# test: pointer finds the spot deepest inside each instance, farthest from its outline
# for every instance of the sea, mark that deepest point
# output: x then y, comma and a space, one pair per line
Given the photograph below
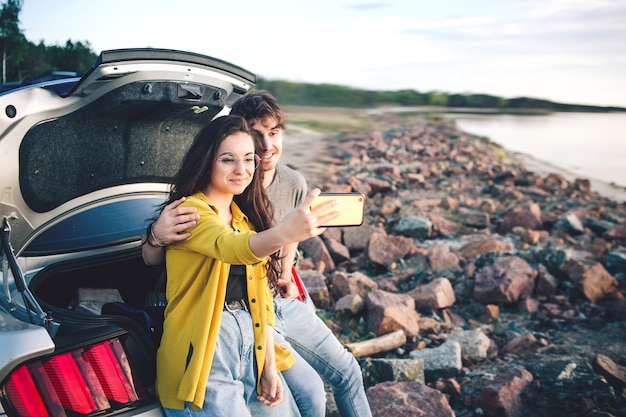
578, 145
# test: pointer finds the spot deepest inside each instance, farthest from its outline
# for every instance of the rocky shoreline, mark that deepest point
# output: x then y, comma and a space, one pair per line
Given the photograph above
475, 286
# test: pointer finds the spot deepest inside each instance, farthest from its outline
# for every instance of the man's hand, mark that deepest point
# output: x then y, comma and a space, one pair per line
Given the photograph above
169, 228
287, 288
173, 221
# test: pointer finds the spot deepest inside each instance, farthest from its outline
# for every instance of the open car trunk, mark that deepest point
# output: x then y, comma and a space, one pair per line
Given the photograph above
86, 169
72, 292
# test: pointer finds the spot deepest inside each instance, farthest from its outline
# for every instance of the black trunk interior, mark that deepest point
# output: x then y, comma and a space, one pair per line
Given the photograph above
55, 288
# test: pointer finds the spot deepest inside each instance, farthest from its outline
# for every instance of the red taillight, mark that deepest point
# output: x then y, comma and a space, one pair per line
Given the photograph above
116, 381
21, 385
82, 381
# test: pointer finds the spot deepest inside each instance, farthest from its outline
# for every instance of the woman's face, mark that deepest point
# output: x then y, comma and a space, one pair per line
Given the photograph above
234, 166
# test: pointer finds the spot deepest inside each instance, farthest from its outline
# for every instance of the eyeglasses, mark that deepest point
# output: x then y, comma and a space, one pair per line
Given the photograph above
229, 161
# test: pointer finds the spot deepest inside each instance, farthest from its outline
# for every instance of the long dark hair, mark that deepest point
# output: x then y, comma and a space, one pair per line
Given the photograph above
194, 175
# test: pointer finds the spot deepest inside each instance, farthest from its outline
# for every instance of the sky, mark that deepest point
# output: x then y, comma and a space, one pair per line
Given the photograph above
568, 51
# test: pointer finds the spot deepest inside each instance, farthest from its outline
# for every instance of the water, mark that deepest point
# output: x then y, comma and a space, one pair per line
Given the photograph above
588, 145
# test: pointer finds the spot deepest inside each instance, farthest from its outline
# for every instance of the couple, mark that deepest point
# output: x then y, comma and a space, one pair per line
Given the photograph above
211, 350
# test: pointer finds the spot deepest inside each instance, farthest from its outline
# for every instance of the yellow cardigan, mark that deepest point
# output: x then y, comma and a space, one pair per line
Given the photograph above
197, 272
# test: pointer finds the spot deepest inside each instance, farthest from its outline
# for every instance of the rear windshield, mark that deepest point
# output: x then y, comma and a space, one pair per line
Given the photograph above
102, 226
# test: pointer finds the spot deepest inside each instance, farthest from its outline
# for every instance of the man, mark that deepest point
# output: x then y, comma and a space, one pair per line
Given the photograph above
307, 334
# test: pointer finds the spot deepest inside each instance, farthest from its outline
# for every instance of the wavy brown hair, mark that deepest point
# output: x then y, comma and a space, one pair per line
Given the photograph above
259, 105
194, 175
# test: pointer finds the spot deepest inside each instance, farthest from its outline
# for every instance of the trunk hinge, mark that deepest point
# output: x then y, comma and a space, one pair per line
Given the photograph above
35, 313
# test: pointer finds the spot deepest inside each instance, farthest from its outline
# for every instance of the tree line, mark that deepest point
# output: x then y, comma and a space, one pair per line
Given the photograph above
22, 59
291, 93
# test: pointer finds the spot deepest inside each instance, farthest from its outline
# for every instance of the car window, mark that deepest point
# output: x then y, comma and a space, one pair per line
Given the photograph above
98, 227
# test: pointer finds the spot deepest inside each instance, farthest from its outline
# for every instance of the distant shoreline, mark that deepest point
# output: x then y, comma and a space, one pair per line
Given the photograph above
309, 127
605, 189
477, 110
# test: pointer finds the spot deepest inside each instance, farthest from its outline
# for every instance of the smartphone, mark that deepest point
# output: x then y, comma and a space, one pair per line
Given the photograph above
350, 205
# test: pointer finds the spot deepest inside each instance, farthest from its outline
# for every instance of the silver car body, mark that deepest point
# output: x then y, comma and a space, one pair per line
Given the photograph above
81, 172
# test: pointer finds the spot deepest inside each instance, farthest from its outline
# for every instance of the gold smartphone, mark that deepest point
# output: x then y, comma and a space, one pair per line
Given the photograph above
350, 205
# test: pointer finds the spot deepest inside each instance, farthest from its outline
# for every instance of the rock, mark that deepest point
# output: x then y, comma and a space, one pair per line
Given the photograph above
590, 278
527, 214
437, 294
523, 343
315, 284
474, 343
565, 382
356, 238
442, 258
507, 280
618, 232
478, 247
415, 227
547, 283
441, 362
356, 283
485, 209
378, 185
444, 227
571, 224
390, 207
616, 260
533, 237
477, 219
616, 309
338, 252
599, 226
407, 399
615, 374
385, 250
351, 304
387, 312
502, 397
315, 249
376, 371
450, 203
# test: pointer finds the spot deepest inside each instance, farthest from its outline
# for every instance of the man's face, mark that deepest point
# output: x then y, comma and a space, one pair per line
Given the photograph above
272, 142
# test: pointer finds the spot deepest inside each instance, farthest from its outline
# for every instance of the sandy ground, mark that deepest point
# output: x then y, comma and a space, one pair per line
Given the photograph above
303, 147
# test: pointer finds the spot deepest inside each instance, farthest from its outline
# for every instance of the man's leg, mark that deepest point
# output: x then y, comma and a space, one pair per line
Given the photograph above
315, 342
306, 386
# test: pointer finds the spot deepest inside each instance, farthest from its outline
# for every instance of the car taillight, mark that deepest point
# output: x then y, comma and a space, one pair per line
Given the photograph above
80, 382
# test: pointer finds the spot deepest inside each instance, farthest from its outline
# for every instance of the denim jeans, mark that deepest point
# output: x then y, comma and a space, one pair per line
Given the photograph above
314, 341
231, 388
304, 382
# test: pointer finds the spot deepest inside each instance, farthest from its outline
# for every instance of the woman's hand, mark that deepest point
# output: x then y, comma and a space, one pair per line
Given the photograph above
299, 224
304, 222
271, 384
271, 387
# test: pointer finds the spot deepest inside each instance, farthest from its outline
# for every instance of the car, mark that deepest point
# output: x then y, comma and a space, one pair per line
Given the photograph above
86, 163
52, 75
65, 77
11, 85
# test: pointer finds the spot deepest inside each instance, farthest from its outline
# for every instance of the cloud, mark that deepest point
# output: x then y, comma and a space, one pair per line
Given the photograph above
368, 6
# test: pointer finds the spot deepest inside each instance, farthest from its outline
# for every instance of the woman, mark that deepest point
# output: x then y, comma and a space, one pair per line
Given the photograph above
217, 355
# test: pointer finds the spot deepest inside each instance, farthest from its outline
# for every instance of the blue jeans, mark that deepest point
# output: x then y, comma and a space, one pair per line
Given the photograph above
305, 384
231, 388
314, 341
